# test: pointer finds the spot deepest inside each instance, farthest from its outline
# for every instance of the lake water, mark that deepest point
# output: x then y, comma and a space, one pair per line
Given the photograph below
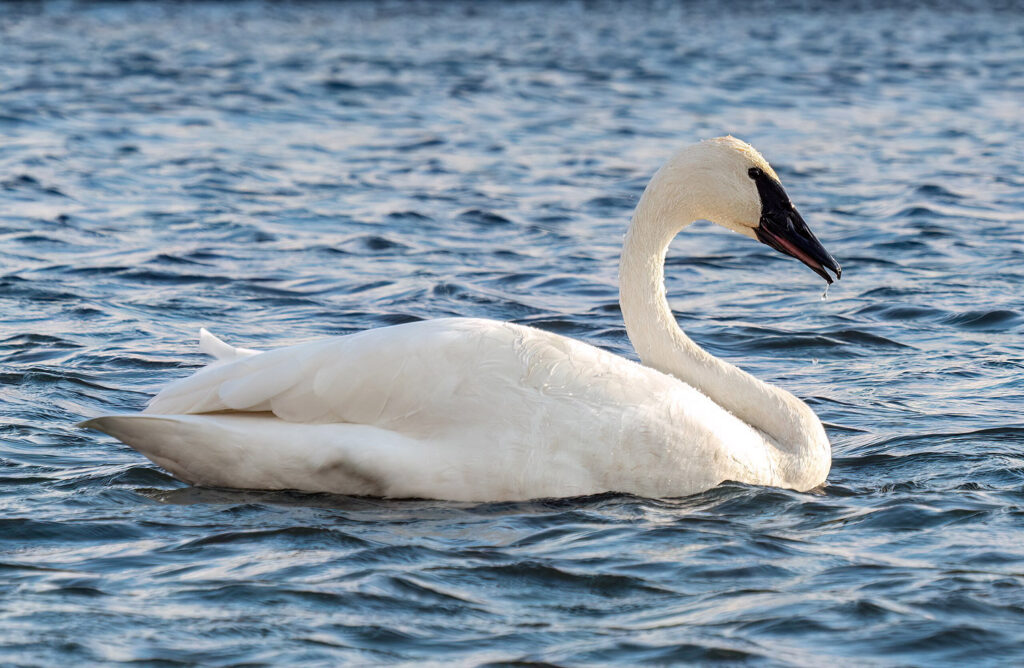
278, 174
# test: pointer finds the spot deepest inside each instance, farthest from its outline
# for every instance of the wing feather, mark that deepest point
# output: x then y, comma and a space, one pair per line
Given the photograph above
370, 377
423, 379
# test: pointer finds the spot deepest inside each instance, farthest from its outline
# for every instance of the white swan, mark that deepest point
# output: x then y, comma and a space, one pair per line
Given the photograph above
478, 410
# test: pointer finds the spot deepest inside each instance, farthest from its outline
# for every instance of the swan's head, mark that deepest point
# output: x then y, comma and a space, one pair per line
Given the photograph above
728, 182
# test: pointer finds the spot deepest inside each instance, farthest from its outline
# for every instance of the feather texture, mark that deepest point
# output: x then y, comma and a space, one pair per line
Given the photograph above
512, 412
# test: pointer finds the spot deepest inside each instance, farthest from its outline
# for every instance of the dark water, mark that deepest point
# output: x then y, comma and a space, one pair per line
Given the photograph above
279, 174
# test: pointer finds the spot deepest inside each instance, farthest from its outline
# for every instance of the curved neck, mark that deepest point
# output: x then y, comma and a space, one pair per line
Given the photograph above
788, 422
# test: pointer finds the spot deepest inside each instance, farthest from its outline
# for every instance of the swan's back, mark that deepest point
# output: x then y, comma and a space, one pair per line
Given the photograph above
482, 409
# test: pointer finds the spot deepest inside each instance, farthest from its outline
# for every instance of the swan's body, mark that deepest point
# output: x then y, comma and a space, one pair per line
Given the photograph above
478, 410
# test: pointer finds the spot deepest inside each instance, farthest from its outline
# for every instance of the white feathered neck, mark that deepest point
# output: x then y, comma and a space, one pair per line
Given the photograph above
708, 181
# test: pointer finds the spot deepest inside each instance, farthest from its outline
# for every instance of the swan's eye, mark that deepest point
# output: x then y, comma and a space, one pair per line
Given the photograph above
755, 172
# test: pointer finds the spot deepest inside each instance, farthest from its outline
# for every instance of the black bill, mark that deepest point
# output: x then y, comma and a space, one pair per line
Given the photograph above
782, 228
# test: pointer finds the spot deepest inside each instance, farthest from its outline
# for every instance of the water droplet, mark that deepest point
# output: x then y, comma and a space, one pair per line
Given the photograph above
824, 295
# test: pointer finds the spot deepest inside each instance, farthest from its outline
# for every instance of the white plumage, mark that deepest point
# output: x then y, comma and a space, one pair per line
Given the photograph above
479, 410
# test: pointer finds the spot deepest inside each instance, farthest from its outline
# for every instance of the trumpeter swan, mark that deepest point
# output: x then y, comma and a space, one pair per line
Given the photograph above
479, 410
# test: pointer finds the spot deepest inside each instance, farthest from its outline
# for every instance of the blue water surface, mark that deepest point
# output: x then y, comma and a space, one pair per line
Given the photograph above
284, 172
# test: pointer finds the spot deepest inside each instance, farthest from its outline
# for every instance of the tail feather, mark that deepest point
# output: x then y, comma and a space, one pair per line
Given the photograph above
218, 349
